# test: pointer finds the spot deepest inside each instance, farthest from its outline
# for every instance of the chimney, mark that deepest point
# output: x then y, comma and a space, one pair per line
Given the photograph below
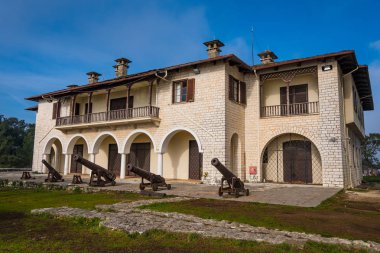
93, 77
267, 57
121, 67
213, 48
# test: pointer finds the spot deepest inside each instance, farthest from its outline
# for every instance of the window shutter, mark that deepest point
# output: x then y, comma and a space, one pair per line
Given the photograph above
243, 93
231, 88
300, 95
55, 106
173, 93
59, 109
283, 96
190, 90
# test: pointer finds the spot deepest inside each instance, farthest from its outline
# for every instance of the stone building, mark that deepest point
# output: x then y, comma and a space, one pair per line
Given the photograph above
296, 121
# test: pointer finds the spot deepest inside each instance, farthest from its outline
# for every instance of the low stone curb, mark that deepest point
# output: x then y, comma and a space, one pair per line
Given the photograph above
128, 217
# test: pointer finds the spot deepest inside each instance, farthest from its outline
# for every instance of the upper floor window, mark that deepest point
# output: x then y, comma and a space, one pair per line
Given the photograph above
237, 91
183, 91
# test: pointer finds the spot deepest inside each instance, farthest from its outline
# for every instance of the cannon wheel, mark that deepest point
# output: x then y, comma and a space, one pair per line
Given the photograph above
246, 192
113, 183
168, 186
154, 187
142, 187
220, 192
237, 193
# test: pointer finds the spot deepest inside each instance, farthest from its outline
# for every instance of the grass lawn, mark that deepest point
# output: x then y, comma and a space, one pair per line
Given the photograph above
22, 232
337, 216
371, 179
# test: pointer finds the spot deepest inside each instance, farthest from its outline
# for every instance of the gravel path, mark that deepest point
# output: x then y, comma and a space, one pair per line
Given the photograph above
125, 216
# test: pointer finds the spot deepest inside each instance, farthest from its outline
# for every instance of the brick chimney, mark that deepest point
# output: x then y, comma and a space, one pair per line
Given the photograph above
121, 67
267, 57
213, 48
93, 77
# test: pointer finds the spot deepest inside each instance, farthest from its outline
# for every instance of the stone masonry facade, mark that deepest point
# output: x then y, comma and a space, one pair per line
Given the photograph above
212, 120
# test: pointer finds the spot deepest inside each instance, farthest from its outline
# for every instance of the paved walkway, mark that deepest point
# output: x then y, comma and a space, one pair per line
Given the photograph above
125, 216
283, 194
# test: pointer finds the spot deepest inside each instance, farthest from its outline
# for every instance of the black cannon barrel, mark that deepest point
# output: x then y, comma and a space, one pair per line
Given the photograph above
55, 173
222, 169
146, 174
94, 167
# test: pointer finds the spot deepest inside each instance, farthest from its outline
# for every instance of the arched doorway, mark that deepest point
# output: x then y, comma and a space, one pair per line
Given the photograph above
139, 148
235, 156
106, 149
53, 154
291, 158
182, 157
78, 145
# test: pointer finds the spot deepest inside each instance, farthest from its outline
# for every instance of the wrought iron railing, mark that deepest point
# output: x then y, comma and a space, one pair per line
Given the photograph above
138, 112
291, 109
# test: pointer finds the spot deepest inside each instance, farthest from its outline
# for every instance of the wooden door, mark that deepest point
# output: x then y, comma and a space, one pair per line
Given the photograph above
75, 166
140, 156
114, 159
195, 161
297, 162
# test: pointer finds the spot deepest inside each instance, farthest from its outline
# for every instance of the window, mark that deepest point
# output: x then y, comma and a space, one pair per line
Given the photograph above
183, 91
298, 99
86, 108
237, 91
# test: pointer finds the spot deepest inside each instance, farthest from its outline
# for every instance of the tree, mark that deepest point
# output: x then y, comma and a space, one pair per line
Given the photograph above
371, 149
16, 143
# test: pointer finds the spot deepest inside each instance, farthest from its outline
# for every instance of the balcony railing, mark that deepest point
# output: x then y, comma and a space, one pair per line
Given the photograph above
292, 109
138, 112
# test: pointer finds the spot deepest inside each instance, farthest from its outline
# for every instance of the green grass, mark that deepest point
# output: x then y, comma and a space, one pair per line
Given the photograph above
335, 217
22, 232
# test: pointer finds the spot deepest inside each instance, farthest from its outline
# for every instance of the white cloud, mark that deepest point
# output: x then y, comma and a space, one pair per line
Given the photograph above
375, 45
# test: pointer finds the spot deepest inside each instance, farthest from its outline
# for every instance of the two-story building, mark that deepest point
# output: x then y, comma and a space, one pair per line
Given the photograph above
297, 121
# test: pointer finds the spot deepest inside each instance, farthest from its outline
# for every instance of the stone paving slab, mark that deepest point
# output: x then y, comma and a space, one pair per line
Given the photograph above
127, 217
283, 194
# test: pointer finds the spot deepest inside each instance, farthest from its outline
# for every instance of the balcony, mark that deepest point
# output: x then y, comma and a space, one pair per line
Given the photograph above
290, 110
114, 117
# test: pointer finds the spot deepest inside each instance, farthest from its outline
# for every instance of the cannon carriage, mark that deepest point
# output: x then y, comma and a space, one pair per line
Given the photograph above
53, 175
99, 175
155, 181
234, 185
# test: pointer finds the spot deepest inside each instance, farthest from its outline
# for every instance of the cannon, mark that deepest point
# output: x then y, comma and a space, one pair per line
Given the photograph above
235, 185
99, 175
155, 180
53, 175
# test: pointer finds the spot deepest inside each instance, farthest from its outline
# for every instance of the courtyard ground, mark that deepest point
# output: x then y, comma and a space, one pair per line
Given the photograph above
20, 231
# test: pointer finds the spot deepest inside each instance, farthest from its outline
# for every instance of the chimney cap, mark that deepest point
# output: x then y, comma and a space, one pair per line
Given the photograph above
122, 59
93, 73
212, 42
267, 53
72, 86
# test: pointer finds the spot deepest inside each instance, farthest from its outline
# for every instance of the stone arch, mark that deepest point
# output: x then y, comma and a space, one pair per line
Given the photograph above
99, 139
166, 139
126, 146
70, 145
49, 144
275, 167
280, 131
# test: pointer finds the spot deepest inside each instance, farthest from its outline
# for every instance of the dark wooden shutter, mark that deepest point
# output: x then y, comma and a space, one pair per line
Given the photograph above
283, 99
190, 90
86, 108
55, 107
243, 93
173, 93
77, 109
231, 88
300, 94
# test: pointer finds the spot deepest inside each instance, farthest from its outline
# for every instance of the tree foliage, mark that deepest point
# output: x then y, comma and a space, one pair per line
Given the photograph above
371, 149
16, 143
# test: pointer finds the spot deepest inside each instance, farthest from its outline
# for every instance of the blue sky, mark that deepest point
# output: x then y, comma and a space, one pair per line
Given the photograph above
46, 45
